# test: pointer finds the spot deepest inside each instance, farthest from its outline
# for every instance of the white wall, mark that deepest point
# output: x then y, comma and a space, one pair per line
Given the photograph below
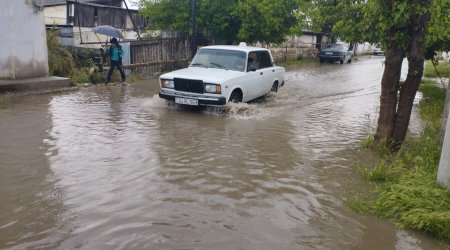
55, 15
365, 48
23, 50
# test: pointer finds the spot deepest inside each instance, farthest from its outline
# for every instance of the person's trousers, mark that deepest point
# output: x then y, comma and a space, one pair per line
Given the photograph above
113, 65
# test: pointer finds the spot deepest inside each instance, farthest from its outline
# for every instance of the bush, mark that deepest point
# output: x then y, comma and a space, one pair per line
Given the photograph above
60, 60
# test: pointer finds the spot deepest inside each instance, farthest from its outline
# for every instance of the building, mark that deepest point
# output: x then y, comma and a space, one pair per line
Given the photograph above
76, 18
23, 53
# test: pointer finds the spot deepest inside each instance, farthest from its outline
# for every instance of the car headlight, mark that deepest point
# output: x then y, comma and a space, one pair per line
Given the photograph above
213, 88
165, 83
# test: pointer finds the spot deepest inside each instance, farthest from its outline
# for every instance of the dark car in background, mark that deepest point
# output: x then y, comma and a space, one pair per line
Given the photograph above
335, 52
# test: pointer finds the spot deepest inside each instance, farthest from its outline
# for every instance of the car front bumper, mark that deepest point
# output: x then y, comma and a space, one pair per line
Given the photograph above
203, 99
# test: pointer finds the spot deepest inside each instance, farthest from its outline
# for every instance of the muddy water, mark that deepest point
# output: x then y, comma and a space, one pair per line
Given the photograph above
118, 168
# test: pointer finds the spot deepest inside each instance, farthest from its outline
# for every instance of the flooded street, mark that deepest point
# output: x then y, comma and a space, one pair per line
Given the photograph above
117, 167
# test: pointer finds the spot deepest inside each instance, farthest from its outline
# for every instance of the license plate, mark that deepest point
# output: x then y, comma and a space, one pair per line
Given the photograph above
186, 101
329, 53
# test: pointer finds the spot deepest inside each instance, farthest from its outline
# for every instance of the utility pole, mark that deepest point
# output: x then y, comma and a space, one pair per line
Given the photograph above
445, 114
443, 176
132, 20
194, 32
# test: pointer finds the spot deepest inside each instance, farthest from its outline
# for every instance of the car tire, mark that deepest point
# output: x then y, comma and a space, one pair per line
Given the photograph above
341, 61
235, 97
349, 60
274, 87
321, 60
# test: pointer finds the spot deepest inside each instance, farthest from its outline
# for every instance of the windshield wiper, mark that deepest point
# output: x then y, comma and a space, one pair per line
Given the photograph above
217, 65
199, 64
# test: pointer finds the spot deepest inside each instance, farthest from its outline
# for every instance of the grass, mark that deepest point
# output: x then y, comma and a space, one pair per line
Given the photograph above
432, 104
406, 191
299, 61
443, 68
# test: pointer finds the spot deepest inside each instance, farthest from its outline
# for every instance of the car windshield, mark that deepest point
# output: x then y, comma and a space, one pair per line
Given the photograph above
335, 47
220, 58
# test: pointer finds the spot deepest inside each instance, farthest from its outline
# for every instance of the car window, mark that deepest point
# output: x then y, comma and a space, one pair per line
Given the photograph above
253, 62
265, 60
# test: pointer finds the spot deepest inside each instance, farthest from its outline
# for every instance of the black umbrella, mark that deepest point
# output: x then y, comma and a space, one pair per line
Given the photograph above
107, 30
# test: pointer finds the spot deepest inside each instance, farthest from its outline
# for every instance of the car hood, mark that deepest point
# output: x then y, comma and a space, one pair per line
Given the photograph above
210, 75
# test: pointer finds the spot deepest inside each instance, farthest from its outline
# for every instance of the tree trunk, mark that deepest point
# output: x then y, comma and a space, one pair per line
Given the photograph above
389, 86
416, 58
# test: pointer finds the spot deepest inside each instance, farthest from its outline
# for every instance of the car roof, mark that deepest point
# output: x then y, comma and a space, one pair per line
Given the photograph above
243, 48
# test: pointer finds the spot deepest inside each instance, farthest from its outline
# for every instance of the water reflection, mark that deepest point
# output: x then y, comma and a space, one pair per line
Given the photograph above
32, 205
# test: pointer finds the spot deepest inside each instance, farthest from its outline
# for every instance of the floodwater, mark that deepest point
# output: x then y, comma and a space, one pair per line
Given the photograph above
116, 167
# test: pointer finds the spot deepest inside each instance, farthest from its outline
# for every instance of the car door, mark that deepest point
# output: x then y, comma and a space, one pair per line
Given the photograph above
253, 77
266, 72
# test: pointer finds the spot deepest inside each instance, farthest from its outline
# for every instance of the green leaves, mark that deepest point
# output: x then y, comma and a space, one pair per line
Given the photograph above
266, 21
227, 21
379, 21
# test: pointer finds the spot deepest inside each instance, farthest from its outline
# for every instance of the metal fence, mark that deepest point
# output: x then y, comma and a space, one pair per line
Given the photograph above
158, 55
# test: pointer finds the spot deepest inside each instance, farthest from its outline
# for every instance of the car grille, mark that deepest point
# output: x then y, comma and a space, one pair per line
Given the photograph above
188, 85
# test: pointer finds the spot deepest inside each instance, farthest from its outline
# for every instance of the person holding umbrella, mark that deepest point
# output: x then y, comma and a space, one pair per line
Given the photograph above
115, 53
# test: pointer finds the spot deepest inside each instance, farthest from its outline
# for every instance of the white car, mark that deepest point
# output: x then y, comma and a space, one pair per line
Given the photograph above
377, 50
223, 73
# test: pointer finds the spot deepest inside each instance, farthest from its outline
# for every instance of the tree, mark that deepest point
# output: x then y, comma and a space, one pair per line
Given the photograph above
228, 21
266, 21
218, 19
172, 15
407, 28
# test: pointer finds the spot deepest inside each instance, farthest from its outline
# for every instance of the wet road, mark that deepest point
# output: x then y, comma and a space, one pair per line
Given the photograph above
118, 168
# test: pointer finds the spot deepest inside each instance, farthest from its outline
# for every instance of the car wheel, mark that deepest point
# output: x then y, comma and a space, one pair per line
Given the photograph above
349, 60
341, 61
274, 87
235, 97
321, 60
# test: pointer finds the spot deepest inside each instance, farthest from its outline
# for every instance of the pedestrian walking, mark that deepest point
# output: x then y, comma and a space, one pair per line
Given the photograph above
115, 53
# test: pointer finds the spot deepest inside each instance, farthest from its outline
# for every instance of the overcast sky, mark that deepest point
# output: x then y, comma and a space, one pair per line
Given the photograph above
131, 5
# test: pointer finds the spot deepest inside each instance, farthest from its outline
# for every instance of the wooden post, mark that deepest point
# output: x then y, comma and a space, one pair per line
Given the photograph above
194, 35
132, 20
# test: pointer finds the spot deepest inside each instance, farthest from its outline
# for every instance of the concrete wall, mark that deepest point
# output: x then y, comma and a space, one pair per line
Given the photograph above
295, 47
23, 50
55, 15
365, 48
